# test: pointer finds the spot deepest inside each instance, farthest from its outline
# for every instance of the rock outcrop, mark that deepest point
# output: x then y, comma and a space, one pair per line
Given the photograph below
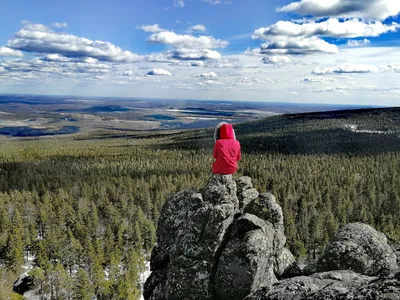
23, 284
360, 248
227, 242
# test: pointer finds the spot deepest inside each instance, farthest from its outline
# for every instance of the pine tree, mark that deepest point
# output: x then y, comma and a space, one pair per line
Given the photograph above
15, 244
82, 289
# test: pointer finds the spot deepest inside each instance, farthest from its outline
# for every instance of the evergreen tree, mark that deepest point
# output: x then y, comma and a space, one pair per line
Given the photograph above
82, 289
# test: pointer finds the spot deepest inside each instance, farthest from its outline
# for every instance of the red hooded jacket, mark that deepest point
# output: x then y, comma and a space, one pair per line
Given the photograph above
226, 151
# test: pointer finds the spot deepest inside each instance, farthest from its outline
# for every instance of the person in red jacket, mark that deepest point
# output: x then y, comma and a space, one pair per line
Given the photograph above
226, 150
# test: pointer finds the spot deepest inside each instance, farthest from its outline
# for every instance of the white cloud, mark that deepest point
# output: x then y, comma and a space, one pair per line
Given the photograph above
380, 9
38, 38
58, 68
338, 90
56, 57
393, 68
194, 54
245, 81
305, 37
358, 43
186, 41
276, 59
60, 25
346, 69
208, 82
5, 51
127, 73
214, 2
209, 75
330, 28
90, 67
179, 3
197, 28
298, 46
225, 63
190, 63
157, 57
158, 72
319, 79
151, 28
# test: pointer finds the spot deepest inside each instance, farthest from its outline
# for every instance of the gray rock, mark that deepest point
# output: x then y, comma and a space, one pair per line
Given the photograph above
243, 183
335, 285
384, 288
288, 289
360, 248
311, 268
358, 287
207, 248
284, 260
191, 230
221, 189
189, 278
396, 248
24, 284
246, 197
245, 192
294, 270
266, 208
155, 286
246, 263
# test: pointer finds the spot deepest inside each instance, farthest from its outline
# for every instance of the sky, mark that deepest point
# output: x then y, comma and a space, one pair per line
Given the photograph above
306, 51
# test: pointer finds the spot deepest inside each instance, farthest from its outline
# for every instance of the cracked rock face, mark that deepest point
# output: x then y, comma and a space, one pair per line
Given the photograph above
208, 249
227, 242
246, 263
191, 231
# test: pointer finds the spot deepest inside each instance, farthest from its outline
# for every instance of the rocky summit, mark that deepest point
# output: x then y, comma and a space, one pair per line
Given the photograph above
228, 242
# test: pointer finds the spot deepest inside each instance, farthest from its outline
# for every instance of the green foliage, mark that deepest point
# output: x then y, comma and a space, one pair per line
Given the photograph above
82, 289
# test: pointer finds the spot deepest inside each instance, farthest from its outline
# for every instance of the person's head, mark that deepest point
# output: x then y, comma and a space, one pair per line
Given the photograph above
224, 131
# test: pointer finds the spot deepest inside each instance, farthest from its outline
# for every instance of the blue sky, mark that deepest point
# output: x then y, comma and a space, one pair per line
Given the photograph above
333, 51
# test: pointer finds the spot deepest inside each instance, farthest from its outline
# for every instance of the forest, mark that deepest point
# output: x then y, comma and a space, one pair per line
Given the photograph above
85, 208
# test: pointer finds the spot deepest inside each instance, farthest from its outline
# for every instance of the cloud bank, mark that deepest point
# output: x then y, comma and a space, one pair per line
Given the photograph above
373, 9
37, 38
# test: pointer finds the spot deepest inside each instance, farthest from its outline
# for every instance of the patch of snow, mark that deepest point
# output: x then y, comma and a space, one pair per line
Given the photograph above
353, 128
143, 277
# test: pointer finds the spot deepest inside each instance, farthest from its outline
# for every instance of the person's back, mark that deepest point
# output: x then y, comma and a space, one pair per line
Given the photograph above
226, 150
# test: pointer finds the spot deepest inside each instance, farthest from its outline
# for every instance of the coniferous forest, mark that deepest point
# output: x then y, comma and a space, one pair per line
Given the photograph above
85, 208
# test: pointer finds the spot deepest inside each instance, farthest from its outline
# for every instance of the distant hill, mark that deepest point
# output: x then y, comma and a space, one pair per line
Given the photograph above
361, 131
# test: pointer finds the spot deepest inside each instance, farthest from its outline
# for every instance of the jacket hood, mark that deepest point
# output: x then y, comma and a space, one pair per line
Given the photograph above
217, 132
226, 132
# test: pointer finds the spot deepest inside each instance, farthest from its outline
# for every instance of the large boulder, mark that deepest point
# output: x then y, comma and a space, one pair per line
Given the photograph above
207, 248
335, 285
360, 248
191, 231
285, 262
246, 264
265, 207
24, 284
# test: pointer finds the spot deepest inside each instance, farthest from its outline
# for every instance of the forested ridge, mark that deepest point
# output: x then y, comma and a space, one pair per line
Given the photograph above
86, 207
